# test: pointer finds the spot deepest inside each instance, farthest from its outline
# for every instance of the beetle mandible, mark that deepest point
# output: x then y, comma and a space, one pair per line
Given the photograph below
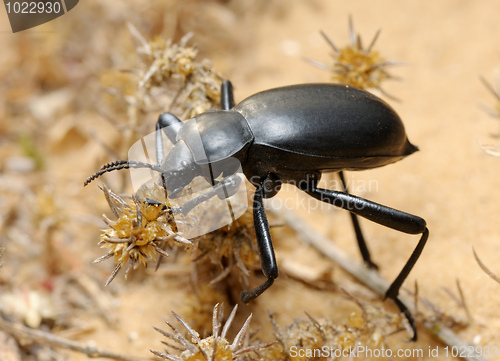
291, 134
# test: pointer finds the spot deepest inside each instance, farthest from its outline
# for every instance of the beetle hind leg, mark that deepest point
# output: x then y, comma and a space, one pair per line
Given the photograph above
386, 216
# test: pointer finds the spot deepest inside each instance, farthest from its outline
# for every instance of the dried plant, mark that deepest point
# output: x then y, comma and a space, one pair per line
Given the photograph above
368, 327
231, 247
215, 347
486, 270
175, 67
143, 227
357, 66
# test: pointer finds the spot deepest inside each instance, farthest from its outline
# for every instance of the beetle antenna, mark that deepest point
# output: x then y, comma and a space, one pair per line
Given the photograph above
121, 164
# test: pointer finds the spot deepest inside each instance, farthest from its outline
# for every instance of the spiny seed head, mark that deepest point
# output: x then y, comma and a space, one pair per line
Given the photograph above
142, 229
365, 327
167, 65
215, 347
357, 66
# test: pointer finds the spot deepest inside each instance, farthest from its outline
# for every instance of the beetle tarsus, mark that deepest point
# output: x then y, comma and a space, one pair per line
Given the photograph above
402, 307
247, 296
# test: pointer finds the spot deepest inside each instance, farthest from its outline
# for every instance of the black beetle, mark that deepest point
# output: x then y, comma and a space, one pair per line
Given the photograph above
292, 135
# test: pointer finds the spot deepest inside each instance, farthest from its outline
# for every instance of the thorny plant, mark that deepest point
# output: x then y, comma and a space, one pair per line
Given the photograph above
167, 65
369, 328
143, 227
232, 245
357, 66
170, 73
215, 347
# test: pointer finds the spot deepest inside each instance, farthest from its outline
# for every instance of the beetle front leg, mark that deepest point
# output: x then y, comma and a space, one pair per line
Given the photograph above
170, 125
226, 95
266, 250
363, 248
386, 216
223, 189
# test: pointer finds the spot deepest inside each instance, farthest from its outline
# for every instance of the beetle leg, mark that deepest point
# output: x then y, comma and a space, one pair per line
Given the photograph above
226, 96
385, 216
227, 103
266, 251
171, 126
222, 189
363, 248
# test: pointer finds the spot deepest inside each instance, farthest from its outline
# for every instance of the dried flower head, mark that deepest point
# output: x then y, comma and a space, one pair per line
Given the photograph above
231, 247
193, 84
357, 66
142, 229
215, 347
367, 327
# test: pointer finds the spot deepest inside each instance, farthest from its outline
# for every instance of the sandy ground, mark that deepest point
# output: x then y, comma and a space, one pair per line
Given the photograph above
451, 181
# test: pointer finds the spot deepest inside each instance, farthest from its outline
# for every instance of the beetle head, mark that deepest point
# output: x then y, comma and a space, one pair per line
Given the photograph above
178, 168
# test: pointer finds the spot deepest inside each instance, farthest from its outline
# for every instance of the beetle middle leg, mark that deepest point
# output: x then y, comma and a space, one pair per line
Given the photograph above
265, 243
386, 216
262, 231
363, 248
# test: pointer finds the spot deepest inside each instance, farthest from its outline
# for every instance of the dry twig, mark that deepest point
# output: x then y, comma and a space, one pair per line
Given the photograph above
22, 332
484, 268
